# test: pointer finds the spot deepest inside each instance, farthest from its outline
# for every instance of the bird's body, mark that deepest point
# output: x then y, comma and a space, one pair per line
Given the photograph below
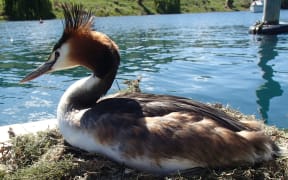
159, 133
155, 133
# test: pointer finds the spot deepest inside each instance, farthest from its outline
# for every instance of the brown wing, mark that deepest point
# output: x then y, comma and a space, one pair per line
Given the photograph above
151, 105
166, 127
140, 105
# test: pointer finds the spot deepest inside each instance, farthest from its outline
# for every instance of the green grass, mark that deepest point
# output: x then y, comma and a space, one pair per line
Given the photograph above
131, 7
189, 6
105, 8
1, 10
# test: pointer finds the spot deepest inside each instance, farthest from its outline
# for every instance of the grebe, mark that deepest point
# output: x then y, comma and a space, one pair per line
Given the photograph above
155, 133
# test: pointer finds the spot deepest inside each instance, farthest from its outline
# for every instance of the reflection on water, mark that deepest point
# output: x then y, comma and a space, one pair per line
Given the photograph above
209, 57
270, 88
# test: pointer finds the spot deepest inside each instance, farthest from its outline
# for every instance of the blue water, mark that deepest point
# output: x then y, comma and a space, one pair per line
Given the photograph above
209, 57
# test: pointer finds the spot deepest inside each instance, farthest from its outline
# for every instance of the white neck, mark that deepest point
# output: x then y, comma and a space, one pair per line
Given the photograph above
80, 95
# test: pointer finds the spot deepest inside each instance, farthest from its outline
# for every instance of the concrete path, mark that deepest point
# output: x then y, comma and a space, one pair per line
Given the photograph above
20, 129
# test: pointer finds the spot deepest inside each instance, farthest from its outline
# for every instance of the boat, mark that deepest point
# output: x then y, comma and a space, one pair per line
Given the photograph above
257, 6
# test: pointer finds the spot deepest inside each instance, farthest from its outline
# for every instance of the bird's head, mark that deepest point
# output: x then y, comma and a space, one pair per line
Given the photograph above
79, 45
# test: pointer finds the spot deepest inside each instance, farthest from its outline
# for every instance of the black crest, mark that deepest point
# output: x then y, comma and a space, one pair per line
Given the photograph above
76, 19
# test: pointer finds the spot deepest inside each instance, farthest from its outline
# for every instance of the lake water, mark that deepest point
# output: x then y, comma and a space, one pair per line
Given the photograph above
209, 57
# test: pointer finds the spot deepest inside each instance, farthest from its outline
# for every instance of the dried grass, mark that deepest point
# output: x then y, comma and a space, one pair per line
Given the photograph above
46, 156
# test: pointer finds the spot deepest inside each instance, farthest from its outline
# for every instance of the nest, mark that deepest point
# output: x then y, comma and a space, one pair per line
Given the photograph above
45, 155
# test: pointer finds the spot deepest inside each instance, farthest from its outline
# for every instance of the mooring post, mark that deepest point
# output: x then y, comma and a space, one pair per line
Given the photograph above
271, 12
270, 21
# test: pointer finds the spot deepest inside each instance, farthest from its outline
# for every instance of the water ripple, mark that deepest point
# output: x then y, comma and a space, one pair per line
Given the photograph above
208, 57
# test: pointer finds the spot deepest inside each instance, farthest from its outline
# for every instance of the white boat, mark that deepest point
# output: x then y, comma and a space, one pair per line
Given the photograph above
257, 6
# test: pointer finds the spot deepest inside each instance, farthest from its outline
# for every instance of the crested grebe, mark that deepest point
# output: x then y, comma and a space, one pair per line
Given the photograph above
155, 133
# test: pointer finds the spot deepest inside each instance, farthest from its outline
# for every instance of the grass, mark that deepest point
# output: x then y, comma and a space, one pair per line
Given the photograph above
2, 17
47, 156
105, 8
189, 6
131, 7
35, 157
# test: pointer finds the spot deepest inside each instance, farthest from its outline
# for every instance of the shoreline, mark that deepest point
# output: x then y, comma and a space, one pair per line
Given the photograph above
104, 8
97, 16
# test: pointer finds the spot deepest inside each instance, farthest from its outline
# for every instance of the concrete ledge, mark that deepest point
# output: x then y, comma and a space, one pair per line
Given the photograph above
19, 129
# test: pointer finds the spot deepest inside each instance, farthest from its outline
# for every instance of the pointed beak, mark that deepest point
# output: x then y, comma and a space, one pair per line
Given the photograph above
44, 68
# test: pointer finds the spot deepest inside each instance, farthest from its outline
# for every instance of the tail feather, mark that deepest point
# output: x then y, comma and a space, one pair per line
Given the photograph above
263, 147
254, 125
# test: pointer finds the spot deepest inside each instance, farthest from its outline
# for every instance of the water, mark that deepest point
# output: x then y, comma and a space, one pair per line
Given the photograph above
209, 57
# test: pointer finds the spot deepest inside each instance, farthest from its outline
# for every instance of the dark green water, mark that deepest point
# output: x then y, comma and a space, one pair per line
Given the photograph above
209, 57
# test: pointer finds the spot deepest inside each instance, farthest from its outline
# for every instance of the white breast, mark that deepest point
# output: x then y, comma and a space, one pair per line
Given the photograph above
82, 139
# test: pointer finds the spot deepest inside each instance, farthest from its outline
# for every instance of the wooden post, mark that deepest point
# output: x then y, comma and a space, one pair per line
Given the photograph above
271, 12
270, 20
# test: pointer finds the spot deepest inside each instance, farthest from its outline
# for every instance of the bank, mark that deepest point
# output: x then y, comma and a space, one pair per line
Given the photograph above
144, 7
